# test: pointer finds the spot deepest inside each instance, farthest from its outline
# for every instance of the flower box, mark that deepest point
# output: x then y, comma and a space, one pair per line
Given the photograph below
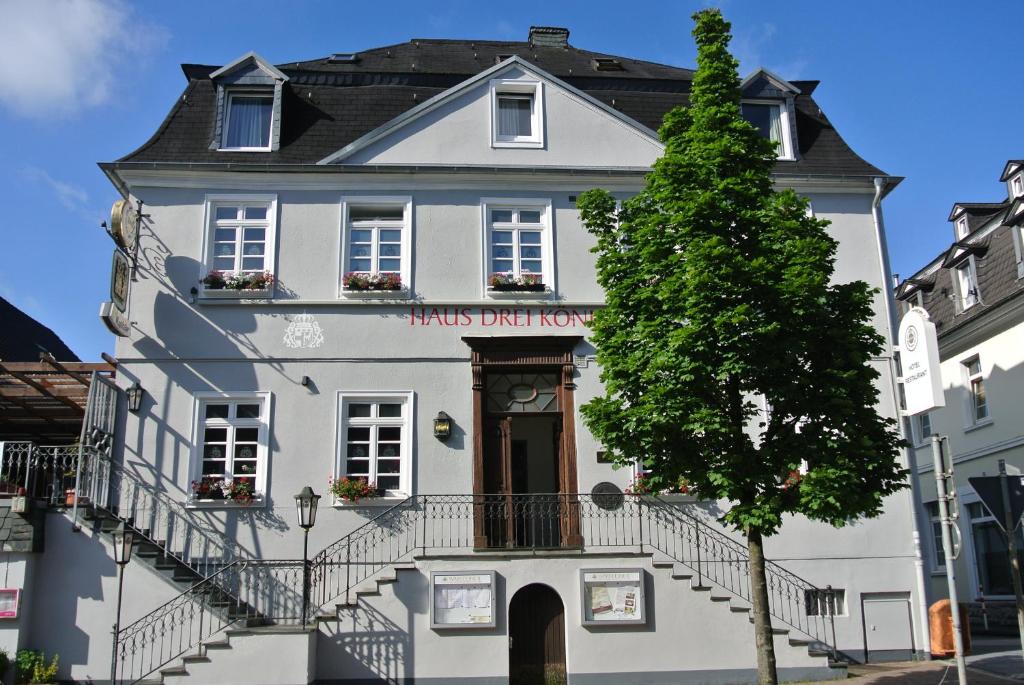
518, 288
237, 284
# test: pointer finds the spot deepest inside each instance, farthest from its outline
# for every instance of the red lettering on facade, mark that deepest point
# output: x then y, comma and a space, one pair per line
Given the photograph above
484, 313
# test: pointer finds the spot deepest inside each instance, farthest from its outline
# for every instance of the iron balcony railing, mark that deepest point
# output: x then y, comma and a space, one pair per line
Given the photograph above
44, 472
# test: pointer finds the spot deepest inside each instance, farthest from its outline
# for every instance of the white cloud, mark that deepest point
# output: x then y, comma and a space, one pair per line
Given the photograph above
72, 197
60, 56
750, 47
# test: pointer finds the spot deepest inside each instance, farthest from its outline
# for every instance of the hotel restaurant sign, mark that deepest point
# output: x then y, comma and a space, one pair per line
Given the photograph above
919, 359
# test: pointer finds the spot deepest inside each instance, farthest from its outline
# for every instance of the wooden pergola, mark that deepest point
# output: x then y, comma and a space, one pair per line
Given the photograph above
45, 401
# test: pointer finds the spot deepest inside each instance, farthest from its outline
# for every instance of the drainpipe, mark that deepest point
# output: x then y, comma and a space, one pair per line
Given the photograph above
909, 454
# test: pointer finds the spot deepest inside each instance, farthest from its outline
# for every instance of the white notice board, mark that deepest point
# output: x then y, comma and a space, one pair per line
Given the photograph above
463, 599
613, 596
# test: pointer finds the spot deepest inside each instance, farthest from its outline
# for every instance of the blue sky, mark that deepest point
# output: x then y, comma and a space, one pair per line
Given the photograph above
923, 90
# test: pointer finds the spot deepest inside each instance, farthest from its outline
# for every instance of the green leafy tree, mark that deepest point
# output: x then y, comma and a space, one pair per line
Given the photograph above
719, 297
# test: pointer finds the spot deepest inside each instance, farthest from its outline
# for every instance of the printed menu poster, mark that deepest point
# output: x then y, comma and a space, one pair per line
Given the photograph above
613, 596
463, 599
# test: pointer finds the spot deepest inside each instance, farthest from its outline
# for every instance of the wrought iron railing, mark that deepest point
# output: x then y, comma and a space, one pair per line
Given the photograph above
241, 594
38, 471
453, 523
272, 592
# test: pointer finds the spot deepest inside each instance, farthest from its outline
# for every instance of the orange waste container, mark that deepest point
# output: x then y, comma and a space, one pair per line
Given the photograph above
940, 623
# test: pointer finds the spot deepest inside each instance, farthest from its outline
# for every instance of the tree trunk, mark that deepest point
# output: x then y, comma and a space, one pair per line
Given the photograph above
766, 674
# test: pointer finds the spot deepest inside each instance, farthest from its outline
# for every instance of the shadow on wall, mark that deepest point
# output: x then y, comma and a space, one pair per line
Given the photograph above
364, 645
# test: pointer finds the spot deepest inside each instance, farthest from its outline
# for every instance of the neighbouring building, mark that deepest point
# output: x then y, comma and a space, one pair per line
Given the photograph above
370, 266
974, 293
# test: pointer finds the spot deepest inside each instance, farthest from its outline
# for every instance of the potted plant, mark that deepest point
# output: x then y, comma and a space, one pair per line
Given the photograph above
357, 281
31, 667
507, 282
208, 488
352, 489
240, 491
238, 281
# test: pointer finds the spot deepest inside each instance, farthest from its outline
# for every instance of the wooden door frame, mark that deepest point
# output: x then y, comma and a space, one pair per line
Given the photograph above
542, 353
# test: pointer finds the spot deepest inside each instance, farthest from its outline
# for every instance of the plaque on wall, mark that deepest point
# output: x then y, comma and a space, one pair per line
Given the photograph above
613, 596
462, 599
10, 599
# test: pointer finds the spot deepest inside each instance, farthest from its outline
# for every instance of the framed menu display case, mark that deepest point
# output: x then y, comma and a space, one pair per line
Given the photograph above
462, 599
613, 596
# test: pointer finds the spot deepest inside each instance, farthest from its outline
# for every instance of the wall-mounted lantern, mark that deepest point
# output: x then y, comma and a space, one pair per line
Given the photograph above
442, 426
134, 393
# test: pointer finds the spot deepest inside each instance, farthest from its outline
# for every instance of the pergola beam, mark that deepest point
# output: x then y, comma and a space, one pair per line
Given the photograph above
48, 358
43, 387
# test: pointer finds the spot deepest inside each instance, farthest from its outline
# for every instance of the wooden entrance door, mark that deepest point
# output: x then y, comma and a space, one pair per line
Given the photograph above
536, 637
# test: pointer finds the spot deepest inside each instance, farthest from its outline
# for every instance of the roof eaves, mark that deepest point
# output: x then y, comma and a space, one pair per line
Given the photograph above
780, 82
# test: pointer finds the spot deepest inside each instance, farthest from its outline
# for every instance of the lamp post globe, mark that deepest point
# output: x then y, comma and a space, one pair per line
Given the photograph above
305, 506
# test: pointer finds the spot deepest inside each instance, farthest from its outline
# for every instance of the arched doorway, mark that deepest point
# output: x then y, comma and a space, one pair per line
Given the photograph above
536, 637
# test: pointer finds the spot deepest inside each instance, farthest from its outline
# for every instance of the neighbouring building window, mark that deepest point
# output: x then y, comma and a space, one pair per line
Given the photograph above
825, 602
1018, 185
977, 402
517, 113
518, 241
230, 444
377, 244
967, 284
771, 119
922, 427
247, 120
375, 441
961, 228
240, 234
938, 553
991, 554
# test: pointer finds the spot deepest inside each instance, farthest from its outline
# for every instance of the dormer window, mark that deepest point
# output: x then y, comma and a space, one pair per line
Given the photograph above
516, 113
771, 119
1017, 185
962, 228
247, 121
967, 285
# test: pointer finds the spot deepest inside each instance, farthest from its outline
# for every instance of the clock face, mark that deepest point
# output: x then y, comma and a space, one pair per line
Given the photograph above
120, 279
124, 224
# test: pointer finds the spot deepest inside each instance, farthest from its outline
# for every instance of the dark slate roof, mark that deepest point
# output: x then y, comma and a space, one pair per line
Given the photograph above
997, 283
979, 213
327, 105
22, 338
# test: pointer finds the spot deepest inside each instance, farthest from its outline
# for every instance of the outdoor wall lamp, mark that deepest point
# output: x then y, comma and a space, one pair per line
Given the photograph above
305, 507
134, 393
442, 426
124, 541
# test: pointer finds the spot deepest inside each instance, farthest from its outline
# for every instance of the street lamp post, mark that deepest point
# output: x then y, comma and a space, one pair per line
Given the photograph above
124, 540
305, 507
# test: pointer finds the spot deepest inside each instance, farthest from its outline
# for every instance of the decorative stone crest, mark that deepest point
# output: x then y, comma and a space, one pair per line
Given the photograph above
303, 331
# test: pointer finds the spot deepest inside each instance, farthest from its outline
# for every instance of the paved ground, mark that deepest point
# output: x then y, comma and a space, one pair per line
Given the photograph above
996, 661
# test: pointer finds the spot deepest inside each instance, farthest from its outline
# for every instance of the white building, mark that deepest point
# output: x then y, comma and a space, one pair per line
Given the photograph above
504, 551
974, 295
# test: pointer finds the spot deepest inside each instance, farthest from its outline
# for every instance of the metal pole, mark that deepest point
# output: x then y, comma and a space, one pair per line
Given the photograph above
117, 624
305, 575
947, 548
1011, 546
831, 606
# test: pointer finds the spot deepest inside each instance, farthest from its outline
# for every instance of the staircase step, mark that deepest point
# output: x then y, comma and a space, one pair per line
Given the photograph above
701, 588
799, 642
682, 576
174, 671
196, 658
720, 598
217, 644
663, 563
739, 610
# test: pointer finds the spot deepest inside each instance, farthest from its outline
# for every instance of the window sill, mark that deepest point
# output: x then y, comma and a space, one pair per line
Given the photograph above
257, 503
519, 294
979, 425
532, 144
402, 294
244, 149
368, 502
226, 294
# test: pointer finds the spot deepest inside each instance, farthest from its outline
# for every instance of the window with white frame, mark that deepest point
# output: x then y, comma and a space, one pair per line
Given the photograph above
1017, 185
247, 121
375, 441
771, 119
230, 445
377, 244
825, 602
962, 228
977, 402
938, 553
240, 234
517, 113
967, 284
922, 427
518, 247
